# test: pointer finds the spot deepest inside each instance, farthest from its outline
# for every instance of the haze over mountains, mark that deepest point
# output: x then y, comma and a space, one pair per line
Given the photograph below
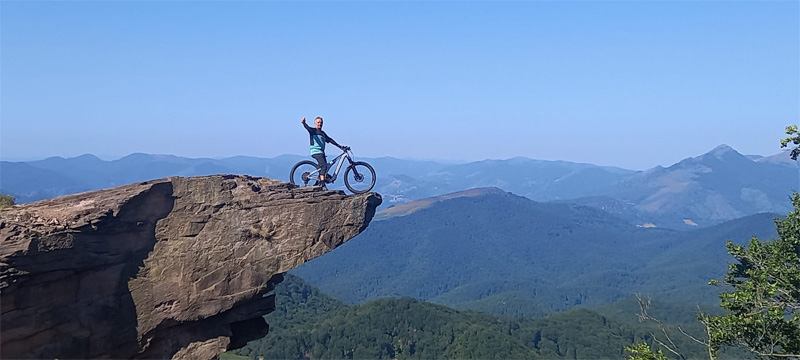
701, 191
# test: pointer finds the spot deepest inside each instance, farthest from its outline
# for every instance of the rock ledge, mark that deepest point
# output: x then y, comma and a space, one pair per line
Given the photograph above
172, 268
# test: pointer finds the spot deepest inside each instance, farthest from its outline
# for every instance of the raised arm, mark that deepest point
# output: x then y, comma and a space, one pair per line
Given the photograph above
309, 128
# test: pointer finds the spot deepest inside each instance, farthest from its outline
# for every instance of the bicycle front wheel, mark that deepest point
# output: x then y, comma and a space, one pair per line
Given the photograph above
359, 177
304, 173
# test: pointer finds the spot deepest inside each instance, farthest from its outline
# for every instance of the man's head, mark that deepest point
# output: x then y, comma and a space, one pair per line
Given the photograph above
318, 122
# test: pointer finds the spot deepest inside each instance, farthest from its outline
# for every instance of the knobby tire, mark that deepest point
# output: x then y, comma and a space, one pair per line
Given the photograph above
363, 169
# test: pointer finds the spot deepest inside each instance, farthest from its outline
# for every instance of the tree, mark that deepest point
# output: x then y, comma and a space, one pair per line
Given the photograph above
794, 138
641, 351
763, 308
6, 201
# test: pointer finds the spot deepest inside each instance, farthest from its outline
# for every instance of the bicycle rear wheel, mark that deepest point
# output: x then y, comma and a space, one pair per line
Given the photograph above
359, 177
304, 173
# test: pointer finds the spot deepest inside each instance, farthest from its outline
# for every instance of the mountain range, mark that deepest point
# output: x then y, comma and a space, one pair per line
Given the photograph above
516, 237
493, 251
701, 191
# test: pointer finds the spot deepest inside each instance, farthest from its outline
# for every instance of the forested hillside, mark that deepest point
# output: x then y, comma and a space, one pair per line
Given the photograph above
309, 324
505, 254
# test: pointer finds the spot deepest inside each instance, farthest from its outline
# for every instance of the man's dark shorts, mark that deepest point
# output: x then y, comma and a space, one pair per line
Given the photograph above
322, 163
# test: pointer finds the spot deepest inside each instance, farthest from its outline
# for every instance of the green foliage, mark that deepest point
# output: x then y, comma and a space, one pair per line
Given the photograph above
309, 324
641, 351
232, 356
6, 201
794, 138
762, 309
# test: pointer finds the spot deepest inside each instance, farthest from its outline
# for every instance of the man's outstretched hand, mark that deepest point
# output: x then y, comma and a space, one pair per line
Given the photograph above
303, 121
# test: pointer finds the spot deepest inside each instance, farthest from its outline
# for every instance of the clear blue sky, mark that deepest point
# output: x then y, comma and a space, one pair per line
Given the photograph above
625, 83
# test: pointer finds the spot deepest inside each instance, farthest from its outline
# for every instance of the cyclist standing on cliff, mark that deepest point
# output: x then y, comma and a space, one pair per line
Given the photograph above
317, 140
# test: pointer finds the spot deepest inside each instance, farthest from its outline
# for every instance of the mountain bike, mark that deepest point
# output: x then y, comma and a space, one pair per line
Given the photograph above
359, 177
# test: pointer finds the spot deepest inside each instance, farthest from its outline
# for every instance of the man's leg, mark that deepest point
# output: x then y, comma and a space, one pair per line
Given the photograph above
322, 164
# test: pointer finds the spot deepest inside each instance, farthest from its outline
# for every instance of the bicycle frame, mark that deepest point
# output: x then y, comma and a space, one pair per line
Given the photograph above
340, 158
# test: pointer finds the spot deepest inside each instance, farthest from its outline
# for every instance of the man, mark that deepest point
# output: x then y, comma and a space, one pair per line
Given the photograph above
317, 140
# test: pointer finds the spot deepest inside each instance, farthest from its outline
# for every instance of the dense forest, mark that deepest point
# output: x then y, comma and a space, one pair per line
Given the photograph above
310, 324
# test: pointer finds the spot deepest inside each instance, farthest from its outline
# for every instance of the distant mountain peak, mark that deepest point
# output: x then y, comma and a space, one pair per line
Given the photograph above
88, 157
726, 154
722, 150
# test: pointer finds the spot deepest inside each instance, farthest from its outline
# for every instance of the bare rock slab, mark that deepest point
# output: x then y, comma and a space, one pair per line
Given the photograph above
173, 268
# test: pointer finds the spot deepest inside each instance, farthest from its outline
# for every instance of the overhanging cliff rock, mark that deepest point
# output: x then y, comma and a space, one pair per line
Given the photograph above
172, 268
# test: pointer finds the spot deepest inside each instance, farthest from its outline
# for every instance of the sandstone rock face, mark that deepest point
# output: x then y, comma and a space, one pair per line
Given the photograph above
172, 268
